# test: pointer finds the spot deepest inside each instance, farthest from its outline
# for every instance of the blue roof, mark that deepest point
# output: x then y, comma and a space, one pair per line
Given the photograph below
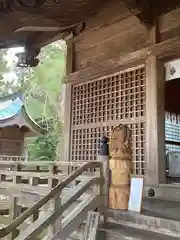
9, 107
12, 112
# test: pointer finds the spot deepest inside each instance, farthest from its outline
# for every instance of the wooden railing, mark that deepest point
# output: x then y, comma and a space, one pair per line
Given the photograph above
53, 219
12, 158
35, 174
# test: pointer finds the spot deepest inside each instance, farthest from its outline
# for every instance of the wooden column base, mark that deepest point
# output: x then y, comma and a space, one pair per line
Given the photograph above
120, 183
119, 197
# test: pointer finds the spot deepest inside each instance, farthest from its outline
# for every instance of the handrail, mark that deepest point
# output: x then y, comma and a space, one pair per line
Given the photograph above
50, 218
30, 211
38, 163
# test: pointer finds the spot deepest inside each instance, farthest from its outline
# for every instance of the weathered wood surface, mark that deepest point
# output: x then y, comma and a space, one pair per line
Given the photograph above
107, 42
109, 38
79, 214
42, 165
164, 50
121, 167
108, 34
169, 24
155, 102
51, 217
92, 225
11, 158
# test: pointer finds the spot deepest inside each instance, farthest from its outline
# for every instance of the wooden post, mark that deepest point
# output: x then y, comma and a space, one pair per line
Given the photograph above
105, 173
14, 211
54, 205
52, 182
121, 167
35, 216
155, 140
67, 122
17, 179
33, 181
67, 100
2, 177
92, 225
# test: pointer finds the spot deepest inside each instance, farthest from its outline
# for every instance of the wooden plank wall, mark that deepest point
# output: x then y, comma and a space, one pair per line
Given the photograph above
11, 141
113, 41
114, 32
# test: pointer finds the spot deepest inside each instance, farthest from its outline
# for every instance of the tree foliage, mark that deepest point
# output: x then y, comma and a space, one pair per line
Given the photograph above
41, 87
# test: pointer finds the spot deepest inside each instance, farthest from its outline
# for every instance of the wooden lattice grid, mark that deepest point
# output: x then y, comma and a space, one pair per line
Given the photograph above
99, 106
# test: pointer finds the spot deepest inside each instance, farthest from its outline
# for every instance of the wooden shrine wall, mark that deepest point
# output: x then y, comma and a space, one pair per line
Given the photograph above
11, 141
114, 32
101, 97
100, 105
107, 35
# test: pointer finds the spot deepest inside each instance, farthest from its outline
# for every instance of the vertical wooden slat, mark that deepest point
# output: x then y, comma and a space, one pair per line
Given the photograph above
14, 211
155, 121
33, 181
53, 205
105, 175
92, 224
52, 182
17, 179
67, 102
67, 122
69, 57
155, 99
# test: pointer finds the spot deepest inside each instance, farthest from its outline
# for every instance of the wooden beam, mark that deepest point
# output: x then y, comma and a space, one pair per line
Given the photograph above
172, 143
143, 10
163, 50
46, 38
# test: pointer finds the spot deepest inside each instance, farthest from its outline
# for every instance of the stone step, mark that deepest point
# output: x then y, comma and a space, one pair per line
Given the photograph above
161, 208
144, 222
117, 231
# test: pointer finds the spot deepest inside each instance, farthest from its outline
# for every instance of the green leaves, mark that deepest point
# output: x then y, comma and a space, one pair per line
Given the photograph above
41, 87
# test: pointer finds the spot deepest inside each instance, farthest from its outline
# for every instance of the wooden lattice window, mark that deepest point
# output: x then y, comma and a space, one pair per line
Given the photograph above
100, 105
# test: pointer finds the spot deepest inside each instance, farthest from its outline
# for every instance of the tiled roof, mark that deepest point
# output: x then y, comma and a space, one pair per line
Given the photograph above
9, 108
12, 112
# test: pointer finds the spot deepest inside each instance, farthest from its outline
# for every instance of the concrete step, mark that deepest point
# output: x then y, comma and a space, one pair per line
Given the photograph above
161, 208
117, 231
144, 222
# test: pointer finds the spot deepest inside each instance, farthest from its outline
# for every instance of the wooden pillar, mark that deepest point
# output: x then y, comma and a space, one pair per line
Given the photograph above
67, 123
14, 212
155, 115
52, 182
105, 173
54, 205
67, 101
16, 178
121, 167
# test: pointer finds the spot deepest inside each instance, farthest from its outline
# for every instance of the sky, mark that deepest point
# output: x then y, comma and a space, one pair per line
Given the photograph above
11, 60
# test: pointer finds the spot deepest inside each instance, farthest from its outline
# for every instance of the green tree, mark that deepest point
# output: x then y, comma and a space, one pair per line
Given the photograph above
41, 86
7, 85
42, 98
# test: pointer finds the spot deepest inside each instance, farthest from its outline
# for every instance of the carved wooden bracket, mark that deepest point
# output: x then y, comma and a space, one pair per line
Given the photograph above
78, 28
143, 10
